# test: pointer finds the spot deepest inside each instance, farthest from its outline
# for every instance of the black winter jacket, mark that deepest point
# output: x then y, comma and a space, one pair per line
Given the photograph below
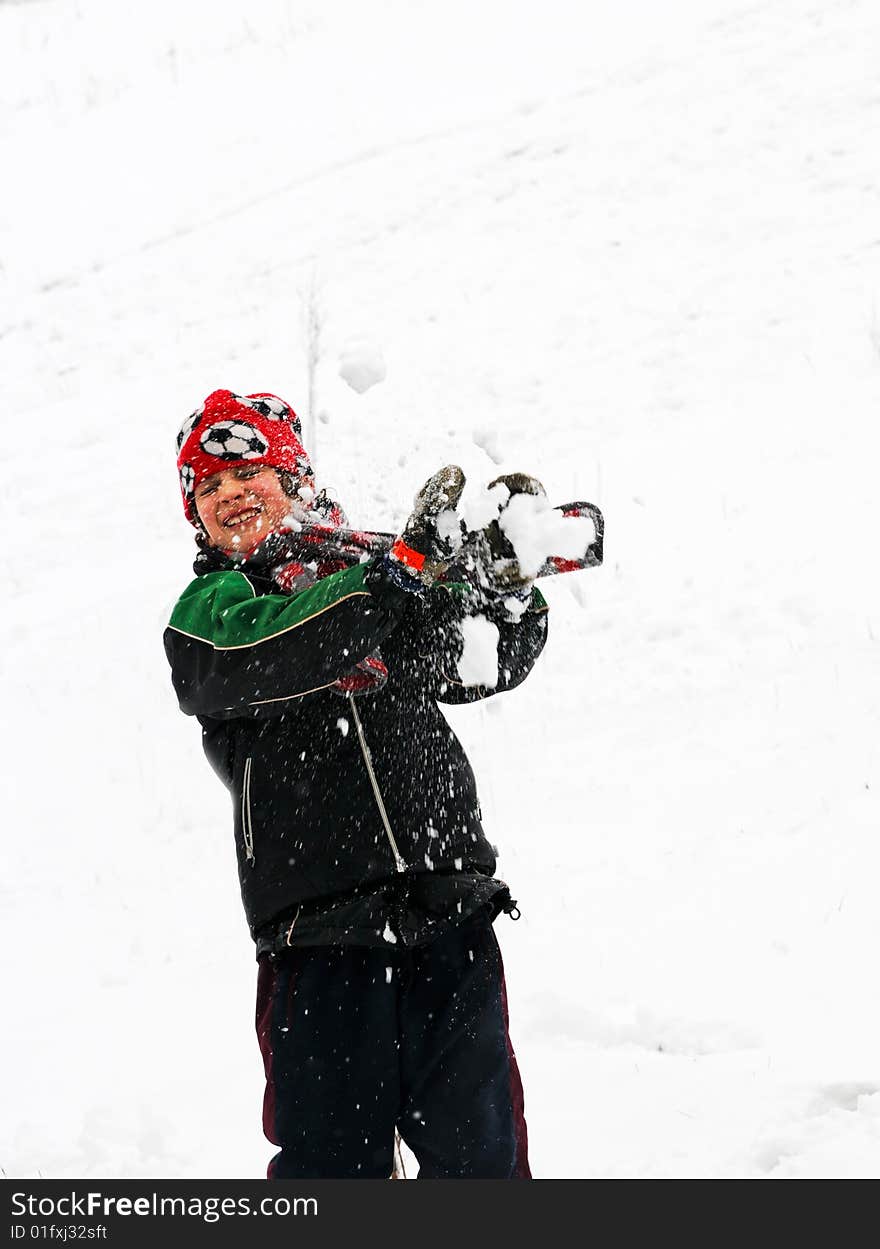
356, 818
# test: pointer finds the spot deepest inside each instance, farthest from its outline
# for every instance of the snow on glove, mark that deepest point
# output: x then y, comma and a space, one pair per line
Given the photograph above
500, 574
432, 535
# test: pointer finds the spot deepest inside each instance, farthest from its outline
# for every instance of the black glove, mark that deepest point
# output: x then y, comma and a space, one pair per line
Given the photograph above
432, 535
492, 554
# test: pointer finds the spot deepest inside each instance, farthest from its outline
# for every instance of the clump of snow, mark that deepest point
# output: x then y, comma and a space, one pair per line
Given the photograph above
362, 365
516, 607
478, 664
537, 531
448, 526
388, 935
480, 509
342, 725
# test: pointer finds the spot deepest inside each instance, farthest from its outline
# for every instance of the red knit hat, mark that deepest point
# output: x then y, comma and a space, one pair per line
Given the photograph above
228, 428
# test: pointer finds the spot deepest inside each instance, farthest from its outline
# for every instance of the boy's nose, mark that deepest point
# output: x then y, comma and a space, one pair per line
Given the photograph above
232, 488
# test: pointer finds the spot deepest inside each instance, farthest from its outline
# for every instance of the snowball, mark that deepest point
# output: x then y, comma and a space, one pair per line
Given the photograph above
482, 508
342, 725
538, 531
388, 935
478, 664
361, 365
449, 528
516, 607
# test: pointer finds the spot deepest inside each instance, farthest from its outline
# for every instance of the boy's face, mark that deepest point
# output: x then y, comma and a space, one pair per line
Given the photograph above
241, 505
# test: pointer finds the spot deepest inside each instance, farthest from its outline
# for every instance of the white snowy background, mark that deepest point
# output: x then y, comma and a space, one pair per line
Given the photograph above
631, 248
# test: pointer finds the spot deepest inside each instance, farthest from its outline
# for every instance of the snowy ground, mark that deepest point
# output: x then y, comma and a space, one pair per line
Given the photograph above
635, 252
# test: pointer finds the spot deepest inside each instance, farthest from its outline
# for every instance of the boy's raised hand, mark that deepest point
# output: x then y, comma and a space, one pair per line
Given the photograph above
431, 537
499, 570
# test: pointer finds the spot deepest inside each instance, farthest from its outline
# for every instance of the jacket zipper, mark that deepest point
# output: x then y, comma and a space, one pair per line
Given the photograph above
399, 864
246, 824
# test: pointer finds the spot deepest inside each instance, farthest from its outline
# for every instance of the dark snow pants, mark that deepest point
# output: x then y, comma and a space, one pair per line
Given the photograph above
357, 1040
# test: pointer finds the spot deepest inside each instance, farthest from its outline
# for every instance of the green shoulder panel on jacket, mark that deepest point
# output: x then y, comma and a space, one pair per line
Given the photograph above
221, 608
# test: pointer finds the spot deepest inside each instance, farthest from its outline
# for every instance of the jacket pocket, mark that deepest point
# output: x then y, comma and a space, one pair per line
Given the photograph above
246, 821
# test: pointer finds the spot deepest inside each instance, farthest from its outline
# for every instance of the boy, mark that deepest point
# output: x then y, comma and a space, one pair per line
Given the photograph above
367, 881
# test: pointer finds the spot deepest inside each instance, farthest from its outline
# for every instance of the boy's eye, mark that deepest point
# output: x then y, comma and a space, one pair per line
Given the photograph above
203, 490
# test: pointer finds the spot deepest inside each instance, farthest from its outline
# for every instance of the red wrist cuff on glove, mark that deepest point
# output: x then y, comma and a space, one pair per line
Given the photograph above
406, 555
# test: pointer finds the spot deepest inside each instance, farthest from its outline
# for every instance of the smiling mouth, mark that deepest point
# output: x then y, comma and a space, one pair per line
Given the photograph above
242, 518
